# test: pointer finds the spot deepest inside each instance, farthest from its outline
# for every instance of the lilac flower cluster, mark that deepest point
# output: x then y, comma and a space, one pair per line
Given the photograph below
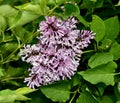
57, 55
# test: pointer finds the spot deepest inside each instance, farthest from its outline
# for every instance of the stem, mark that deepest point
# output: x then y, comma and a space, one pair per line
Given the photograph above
10, 40
50, 11
75, 92
87, 51
12, 78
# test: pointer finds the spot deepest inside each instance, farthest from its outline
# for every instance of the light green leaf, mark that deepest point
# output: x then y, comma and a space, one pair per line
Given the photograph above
98, 26
34, 8
60, 1
103, 73
99, 59
3, 24
24, 90
112, 28
43, 5
9, 96
115, 50
51, 2
86, 97
1, 72
57, 92
7, 11
22, 98
118, 101
26, 17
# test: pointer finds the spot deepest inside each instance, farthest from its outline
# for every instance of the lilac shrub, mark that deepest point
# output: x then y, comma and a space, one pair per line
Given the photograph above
57, 54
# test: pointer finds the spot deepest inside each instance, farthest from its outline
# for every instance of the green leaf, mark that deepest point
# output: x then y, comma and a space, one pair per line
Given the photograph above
8, 47
103, 73
24, 90
1, 72
9, 96
115, 50
101, 87
57, 92
118, 101
51, 2
69, 9
98, 26
60, 2
99, 59
34, 8
35, 1
7, 11
3, 24
112, 28
16, 19
82, 20
43, 5
91, 4
106, 99
26, 17
77, 79
23, 34
105, 44
86, 97
38, 97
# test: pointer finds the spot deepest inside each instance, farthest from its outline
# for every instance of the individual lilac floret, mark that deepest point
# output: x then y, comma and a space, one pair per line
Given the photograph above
57, 54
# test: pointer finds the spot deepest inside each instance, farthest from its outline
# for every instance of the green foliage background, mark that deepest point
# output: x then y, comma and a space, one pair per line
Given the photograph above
98, 76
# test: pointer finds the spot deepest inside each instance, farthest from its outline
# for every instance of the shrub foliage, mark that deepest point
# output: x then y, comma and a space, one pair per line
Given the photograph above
97, 79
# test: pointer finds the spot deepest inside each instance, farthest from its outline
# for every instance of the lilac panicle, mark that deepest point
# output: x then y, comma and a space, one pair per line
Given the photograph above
57, 54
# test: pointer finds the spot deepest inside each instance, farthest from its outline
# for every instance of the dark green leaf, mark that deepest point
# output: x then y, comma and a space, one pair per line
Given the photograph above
91, 4
99, 59
103, 73
57, 92
98, 26
86, 97
82, 20
77, 80
69, 9
101, 87
106, 99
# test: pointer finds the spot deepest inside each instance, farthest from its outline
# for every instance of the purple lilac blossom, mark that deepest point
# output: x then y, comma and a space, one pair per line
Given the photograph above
57, 54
